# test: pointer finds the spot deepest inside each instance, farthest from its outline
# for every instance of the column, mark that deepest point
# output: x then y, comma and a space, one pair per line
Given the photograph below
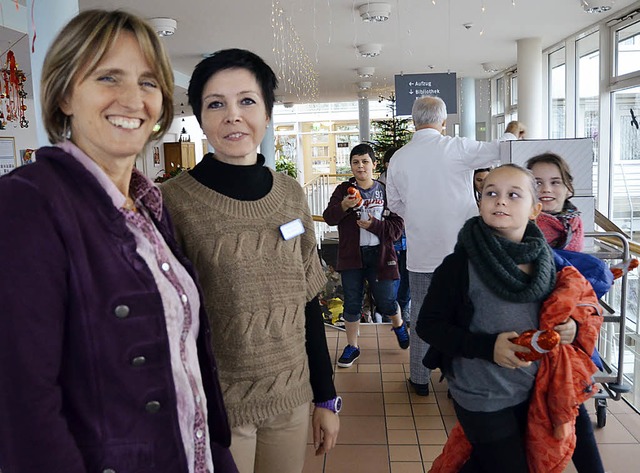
363, 119
468, 108
530, 86
48, 19
268, 146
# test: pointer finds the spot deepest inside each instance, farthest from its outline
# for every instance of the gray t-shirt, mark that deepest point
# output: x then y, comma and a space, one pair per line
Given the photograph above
481, 385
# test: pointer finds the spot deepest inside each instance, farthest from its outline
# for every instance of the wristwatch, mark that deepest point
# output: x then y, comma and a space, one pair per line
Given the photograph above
334, 405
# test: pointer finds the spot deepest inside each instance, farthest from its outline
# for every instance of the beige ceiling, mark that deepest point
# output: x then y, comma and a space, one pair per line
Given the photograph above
419, 37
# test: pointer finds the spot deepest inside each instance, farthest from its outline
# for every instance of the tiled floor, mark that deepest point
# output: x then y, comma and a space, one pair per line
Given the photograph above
386, 428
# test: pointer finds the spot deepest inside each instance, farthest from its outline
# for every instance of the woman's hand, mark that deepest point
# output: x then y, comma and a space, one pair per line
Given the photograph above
567, 331
504, 352
326, 426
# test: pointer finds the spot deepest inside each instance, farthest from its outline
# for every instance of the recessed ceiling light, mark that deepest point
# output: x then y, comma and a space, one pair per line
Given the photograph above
364, 85
164, 26
596, 6
376, 12
365, 72
369, 49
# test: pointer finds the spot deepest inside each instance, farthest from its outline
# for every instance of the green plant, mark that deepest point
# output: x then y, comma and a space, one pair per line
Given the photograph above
389, 133
168, 175
286, 166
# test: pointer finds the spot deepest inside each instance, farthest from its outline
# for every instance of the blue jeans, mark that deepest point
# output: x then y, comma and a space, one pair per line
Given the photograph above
353, 286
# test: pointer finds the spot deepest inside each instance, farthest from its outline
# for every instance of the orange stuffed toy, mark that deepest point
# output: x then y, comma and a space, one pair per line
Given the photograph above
538, 341
355, 193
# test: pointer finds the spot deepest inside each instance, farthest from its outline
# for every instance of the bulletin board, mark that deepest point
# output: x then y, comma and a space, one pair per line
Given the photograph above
7, 155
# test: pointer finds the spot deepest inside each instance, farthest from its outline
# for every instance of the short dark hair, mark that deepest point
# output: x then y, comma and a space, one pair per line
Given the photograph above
388, 154
232, 59
362, 148
552, 158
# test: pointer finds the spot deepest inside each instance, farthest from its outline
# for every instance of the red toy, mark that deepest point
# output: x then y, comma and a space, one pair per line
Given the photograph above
352, 191
538, 341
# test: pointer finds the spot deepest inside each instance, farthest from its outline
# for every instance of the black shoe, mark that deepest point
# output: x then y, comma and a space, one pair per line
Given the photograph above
420, 389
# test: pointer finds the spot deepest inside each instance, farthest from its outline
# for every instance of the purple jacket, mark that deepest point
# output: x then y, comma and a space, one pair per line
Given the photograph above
387, 230
78, 305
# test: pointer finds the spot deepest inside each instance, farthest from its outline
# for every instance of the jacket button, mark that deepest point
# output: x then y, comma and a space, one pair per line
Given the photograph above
121, 311
152, 407
138, 361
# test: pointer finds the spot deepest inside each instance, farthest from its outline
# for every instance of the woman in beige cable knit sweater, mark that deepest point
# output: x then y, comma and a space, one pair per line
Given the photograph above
249, 232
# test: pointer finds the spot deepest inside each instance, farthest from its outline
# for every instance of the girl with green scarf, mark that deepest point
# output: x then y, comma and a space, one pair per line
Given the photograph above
485, 293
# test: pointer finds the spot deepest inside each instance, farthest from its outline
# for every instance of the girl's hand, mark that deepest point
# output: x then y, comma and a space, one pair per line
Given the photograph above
504, 352
567, 331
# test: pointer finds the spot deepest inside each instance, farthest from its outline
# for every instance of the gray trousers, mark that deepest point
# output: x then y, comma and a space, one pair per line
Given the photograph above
419, 285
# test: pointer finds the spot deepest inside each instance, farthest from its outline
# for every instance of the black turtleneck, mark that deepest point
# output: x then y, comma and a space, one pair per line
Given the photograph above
252, 183
238, 182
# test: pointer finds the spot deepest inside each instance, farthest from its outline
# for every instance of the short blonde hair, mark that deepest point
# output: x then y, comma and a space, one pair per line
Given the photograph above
78, 49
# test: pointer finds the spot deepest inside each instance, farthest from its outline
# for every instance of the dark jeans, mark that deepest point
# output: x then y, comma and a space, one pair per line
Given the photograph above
586, 456
353, 286
402, 292
497, 439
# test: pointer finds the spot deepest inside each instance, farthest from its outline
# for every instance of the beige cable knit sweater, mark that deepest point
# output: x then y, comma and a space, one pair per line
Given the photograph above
255, 288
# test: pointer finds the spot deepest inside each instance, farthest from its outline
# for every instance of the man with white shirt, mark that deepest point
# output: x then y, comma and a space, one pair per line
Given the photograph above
430, 185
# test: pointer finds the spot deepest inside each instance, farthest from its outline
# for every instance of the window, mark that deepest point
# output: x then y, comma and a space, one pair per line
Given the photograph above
627, 49
499, 102
558, 89
514, 91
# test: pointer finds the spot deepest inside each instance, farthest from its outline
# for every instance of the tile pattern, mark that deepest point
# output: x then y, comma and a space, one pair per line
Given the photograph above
387, 428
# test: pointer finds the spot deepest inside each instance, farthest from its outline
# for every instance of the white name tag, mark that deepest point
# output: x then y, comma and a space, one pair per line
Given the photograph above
292, 229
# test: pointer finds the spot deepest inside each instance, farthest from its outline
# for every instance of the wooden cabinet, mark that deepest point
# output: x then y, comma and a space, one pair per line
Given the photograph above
179, 154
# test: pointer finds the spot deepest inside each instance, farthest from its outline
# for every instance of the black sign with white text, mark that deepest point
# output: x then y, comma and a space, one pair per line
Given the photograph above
411, 86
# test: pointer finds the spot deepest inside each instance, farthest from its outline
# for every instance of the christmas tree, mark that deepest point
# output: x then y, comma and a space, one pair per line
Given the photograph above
391, 132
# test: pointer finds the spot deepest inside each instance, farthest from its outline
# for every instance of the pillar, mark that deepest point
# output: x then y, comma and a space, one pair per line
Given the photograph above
363, 119
468, 108
268, 146
530, 86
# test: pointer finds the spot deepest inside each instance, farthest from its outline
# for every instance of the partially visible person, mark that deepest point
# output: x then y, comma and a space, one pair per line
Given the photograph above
105, 361
561, 224
249, 232
428, 186
402, 290
560, 220
515, 128
478, 179
488, 291
367, 231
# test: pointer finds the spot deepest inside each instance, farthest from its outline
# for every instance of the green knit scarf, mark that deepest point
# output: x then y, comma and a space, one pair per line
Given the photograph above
496, 260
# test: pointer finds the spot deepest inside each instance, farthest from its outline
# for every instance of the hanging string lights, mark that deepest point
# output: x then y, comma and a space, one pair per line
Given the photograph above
296, 71
12, 94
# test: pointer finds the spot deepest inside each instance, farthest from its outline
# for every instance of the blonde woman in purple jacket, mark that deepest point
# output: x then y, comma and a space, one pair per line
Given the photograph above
105, 358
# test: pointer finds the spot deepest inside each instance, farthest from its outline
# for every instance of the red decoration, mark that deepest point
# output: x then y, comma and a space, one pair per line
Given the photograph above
12, 95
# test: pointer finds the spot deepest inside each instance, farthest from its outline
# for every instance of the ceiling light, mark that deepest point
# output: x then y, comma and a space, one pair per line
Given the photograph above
365, 72
596, 6
376, 12
364, 85
490, 68
164, 26
369, 49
